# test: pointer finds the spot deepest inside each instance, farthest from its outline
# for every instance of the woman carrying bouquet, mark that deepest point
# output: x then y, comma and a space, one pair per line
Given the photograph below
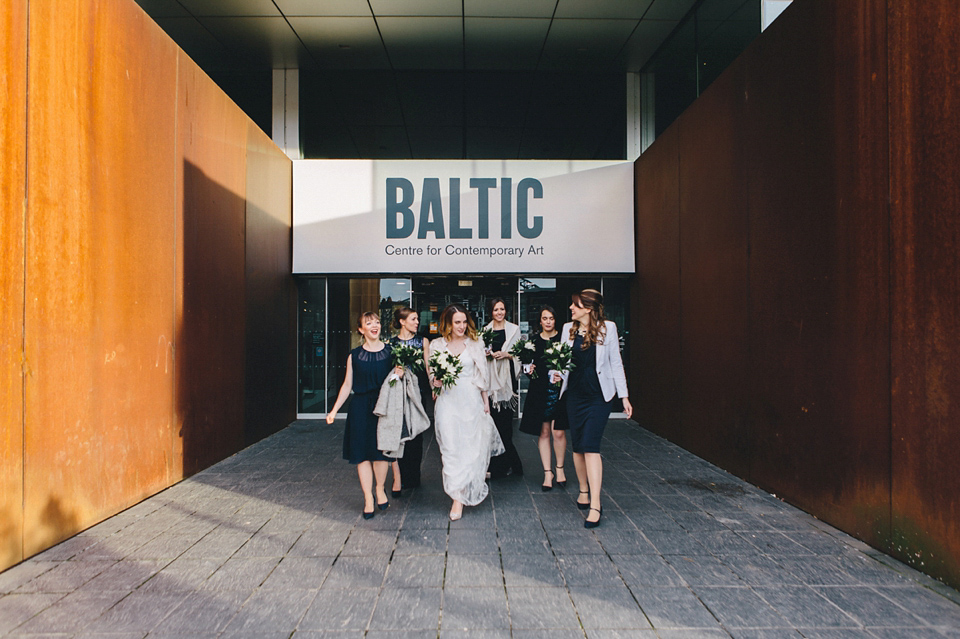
504, 369
466, 434
535, 420
367, 369
589, 388
406, 471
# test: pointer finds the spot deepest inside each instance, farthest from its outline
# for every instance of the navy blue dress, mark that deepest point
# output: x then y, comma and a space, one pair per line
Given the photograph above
536, 403
587, 410
370, 370
413, 450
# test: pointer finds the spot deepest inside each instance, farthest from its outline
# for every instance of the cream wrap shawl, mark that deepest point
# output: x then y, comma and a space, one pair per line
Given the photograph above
503, 394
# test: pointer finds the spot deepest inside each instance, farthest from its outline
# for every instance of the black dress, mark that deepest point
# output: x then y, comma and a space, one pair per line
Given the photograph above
360, 435
503, 418
587, 410
536, 402
413, 450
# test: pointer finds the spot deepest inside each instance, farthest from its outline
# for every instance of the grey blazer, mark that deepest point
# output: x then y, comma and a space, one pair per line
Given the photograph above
613, 381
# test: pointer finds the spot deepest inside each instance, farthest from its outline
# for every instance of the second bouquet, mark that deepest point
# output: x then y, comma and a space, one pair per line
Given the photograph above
446, 369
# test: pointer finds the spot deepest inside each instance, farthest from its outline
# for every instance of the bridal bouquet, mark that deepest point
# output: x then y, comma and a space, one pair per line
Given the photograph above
558, 357
406, 356
524, 350
446, 368
486, 334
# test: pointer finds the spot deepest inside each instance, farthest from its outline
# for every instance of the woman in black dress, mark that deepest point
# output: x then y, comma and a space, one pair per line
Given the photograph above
406, 471
503, 388
589, 389
534, 421
367, 369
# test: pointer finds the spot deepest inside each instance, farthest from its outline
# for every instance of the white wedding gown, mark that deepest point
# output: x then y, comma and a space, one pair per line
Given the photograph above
466, 435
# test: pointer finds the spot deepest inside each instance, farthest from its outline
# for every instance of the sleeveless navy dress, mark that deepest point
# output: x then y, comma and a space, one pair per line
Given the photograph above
370, 370
413, 450
587, 410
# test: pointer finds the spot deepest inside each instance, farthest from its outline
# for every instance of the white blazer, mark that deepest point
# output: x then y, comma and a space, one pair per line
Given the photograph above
609, 364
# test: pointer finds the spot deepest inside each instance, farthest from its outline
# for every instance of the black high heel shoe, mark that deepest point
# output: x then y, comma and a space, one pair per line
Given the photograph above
593, 524
544, 487
396, 493
585, 506
384, 505
561, 484
369, 515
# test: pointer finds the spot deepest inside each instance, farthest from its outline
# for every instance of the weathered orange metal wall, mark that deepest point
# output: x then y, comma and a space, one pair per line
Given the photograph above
141, 242
925, 207
13, 133
818, 321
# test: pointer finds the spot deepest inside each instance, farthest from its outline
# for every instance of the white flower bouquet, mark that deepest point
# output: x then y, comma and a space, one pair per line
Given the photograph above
525, 350
446, 369
405, 356
558, 357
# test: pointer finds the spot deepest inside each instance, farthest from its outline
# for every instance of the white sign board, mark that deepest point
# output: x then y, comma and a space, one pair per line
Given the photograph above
462, 216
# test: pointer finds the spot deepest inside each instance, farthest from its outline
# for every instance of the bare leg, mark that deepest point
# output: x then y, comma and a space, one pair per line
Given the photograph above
560, 449
543, 444
365, 473
397, 485
594, 464
380, 472
581, 465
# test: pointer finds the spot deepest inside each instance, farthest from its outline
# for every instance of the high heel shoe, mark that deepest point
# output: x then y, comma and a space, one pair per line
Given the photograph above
547, 487
585, 506
561, 484
593, 524
384, 505
396, 493
369, 515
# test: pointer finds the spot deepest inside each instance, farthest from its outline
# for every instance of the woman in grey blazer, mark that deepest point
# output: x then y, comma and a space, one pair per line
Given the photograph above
589, 388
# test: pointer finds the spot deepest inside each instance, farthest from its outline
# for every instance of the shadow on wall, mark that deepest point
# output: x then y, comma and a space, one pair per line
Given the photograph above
235, 379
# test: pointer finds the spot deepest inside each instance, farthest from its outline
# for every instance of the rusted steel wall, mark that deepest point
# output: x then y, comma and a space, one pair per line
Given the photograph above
925, 202
819, 314
13, 133
128, 279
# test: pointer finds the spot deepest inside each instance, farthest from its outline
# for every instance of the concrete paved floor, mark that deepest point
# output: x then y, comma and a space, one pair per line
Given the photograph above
268, 543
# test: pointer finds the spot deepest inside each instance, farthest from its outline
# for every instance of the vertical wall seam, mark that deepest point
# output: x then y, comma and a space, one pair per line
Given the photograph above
891, 281
174, 340
23, 323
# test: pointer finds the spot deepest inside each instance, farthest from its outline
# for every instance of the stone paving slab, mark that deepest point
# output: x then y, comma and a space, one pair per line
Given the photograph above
269, 543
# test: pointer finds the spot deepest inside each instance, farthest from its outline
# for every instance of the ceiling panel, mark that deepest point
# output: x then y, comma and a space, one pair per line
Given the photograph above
504, 43
231, 7
386, 142
431, 99
644, 42
436, 142
197, 42
342, 43
509, 8
493, 143
417, 7
262, 41
423, 43
625, 9
498, 99
163, 8
669, 9
585, 43
324, 7
368, 97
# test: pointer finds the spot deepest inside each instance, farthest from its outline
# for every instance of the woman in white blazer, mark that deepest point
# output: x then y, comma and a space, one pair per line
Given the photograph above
589, 388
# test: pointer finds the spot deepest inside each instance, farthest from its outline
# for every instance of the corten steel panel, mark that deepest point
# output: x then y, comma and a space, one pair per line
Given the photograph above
99, 309
925, 196
271, 296
713, 284
655, 316
819, 264
13, 135
210, 275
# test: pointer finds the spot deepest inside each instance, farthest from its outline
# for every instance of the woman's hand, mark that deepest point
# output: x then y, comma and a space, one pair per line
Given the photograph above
331, 417
501, 355
532, 368
555, 377
627, 407
486, 404
399, 371
436, 383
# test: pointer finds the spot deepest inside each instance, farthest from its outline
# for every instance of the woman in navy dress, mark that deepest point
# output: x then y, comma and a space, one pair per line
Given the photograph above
406, 471
367, 368
589, 389
534, 421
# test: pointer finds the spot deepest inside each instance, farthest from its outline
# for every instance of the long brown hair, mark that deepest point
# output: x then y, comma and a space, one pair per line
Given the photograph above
401, 314
592, 300
445, 323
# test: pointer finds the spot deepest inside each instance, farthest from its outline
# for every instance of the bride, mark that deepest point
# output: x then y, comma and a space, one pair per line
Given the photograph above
465, 432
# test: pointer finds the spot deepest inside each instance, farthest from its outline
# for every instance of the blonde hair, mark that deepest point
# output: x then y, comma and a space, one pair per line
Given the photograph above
592, 300
445, 323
